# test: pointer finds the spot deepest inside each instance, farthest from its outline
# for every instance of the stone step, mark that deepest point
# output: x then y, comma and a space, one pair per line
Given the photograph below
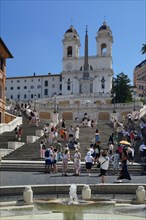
40, 167
32, 151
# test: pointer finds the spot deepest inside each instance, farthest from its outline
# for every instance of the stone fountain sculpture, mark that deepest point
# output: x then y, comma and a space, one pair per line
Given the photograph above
73, 193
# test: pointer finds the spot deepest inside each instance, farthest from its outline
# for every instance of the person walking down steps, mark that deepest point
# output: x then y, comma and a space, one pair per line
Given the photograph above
124, 173
16, 131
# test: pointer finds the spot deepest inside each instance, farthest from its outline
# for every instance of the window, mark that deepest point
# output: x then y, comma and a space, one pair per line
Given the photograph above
53, 86
60, 78
31, 87
53, 79
18, 96
39, 96
68, 84
25, 96
46, 83
60, 86
103, 49
141, 87
11, 81
38, 86
31, 96
18, 81
103, 83
25, 87
32, 80
11, 96
91, 68
81, 68
69, 51
46, 92
18, 87
11, 88
25, 80
38, 80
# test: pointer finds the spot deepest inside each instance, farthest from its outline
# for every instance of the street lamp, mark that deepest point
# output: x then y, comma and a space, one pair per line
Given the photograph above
103, 83
114, 96
34, 102
55, 104
28, 96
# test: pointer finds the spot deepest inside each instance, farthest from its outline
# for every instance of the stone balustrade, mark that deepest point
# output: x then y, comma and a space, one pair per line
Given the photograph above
31, 139
14, 144
7, 127
39, 133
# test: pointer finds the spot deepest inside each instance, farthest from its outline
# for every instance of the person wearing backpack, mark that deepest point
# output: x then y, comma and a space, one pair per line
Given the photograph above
48, 161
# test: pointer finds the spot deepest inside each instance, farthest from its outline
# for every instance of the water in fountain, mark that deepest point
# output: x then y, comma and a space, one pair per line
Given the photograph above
73, 194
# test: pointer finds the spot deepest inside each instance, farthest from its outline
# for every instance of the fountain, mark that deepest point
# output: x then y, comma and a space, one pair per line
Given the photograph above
72, 208
73, 194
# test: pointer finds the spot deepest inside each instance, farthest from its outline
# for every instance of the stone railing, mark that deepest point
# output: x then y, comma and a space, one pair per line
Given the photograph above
7, 127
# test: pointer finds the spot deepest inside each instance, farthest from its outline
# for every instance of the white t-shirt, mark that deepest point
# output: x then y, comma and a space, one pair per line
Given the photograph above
142, 147
104, 165
89, 158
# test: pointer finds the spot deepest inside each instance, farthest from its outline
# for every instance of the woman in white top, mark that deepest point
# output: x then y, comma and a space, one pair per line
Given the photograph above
65, 159
104, 164
89, 162
77, 162
77, 132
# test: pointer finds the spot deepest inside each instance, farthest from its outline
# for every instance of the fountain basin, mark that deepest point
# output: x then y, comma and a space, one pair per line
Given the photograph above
61, 209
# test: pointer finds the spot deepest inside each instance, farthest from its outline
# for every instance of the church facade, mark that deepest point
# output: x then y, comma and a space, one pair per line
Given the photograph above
80, 75
87, 74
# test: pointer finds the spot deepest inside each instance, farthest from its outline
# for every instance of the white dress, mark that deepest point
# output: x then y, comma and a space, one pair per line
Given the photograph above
77, 133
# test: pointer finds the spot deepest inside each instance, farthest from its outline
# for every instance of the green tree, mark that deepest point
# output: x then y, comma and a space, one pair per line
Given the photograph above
121, 89
143, 49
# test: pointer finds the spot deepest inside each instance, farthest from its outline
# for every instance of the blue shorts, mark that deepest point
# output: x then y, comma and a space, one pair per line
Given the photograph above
55, 161
89, 165
48, 162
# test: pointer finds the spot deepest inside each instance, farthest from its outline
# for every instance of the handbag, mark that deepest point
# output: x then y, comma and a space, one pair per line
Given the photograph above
99, 164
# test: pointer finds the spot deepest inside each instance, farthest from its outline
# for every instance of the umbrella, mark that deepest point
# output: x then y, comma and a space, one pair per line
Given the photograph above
124, 142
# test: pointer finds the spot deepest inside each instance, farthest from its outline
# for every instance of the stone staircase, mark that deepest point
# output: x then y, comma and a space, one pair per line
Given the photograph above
31, 151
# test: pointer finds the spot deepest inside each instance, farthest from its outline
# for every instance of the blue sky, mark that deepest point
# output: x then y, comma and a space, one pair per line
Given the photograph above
33, 32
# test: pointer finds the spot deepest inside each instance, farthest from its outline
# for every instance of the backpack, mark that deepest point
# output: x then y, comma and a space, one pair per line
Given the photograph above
47, 153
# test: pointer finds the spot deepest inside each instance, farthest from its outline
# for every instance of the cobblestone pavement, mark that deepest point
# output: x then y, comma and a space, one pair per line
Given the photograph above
11, 178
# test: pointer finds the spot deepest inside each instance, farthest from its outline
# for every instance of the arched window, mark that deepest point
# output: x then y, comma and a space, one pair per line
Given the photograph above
69, 51
103, 49
103, 83
68, 84
91, 68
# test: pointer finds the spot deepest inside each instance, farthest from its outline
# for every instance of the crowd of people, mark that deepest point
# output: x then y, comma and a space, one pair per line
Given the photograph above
59, 139
116, 155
